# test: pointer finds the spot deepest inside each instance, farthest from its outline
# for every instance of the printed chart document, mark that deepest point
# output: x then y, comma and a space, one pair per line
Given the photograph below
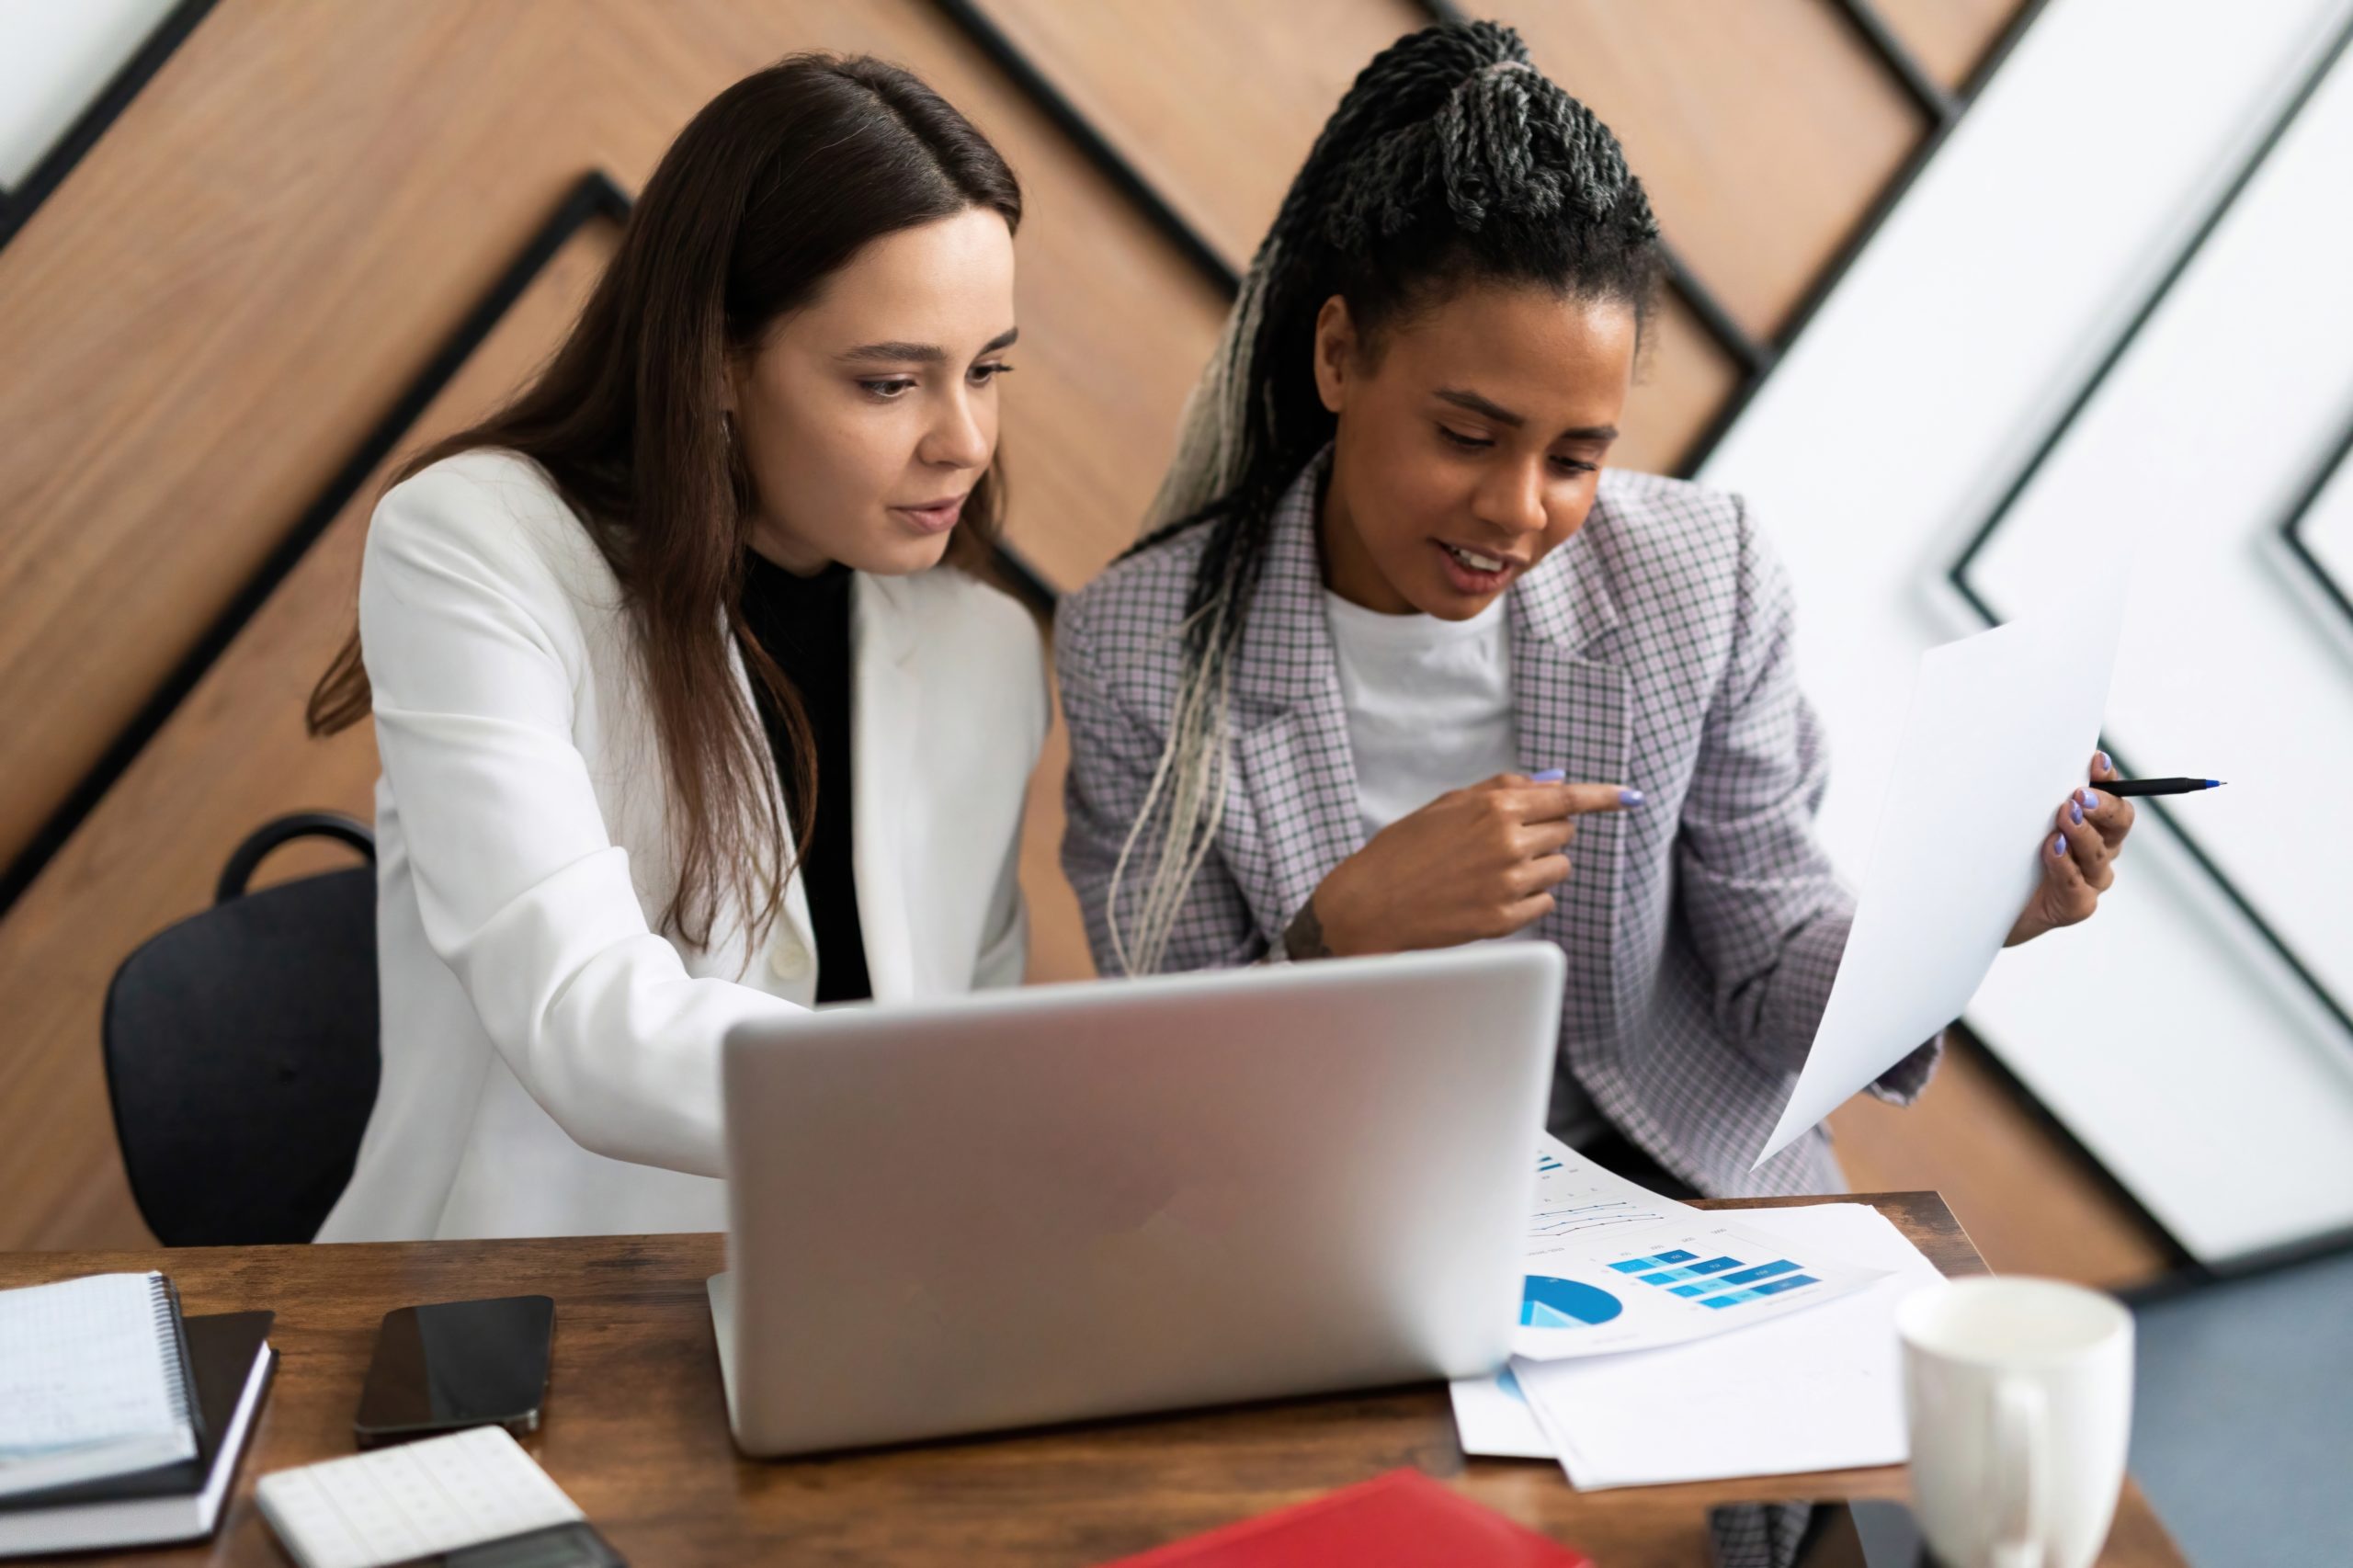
1604, 1275
2002, 725
1820, 1390
1491, 1418
1612, 1266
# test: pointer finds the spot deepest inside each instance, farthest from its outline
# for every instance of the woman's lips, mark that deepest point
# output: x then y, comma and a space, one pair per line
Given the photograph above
933, 517
1469, 580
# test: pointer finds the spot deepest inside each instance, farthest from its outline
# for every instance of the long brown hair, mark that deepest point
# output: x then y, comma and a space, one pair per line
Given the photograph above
770, 189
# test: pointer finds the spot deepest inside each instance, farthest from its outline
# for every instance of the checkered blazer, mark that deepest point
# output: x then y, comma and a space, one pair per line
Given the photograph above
1702, 929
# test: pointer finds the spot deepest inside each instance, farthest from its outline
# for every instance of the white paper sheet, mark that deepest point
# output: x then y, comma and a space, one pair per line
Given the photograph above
1491, 1418
1819, 1390
1576, 1198
2001, 726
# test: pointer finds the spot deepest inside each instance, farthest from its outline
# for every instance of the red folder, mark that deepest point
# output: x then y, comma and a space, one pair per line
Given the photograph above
1402, 1519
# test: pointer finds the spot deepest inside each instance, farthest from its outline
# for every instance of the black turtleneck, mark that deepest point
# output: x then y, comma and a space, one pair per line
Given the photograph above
803, 622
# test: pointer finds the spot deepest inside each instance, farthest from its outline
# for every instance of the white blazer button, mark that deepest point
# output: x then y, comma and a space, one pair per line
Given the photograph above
789, 955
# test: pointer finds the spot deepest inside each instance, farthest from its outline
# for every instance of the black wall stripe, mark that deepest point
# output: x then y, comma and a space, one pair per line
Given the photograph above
2292, 531
19, 203
1929, 94
1003, 53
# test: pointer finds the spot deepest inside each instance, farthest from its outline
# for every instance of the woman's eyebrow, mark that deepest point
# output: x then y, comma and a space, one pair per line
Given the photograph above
1501, 415
1480, 406
896, 352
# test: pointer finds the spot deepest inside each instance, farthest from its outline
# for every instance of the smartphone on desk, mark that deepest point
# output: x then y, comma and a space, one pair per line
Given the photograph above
1862, 1534
457, 1364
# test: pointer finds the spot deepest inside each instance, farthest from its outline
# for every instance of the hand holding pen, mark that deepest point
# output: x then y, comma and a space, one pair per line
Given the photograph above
2079, 859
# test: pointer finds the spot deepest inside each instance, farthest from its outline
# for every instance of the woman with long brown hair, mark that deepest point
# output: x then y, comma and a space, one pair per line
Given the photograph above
690, 711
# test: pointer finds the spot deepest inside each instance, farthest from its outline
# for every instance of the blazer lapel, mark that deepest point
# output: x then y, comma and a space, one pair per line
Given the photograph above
1297, 768
1570, 712
885, 709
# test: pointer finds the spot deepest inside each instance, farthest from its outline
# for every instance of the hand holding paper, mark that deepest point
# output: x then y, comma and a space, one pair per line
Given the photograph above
1998, 730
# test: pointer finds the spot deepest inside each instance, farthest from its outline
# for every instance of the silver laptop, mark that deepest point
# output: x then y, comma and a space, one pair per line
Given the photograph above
1071, 1201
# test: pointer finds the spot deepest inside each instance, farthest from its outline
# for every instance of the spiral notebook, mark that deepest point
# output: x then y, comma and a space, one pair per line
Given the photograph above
94, 1382
174, 1501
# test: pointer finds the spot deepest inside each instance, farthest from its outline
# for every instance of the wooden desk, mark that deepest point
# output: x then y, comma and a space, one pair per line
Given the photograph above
637, 1434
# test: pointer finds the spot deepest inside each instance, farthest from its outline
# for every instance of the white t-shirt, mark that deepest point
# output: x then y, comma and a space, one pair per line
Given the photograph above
1430, 711
1430, 704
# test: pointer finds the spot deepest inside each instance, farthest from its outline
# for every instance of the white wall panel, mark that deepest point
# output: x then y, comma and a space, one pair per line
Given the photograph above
2188, 454
2165, 1035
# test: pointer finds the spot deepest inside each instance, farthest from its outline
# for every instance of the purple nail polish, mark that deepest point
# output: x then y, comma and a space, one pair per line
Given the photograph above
2058, 845
1552, 775
2103, 762
1629, 797
2078, 811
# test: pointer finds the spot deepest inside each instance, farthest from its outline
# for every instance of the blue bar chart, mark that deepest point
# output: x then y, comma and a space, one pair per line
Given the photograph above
1715, 1283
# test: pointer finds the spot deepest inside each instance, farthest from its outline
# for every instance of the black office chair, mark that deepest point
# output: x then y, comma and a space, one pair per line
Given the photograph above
240, 1049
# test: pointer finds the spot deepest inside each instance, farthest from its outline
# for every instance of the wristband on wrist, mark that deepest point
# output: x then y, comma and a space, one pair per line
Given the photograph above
1303, 938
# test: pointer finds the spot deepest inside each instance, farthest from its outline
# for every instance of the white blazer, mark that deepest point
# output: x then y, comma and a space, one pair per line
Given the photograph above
550, 1059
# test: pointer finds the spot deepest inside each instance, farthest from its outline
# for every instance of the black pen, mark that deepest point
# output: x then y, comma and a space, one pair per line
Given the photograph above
2156, 786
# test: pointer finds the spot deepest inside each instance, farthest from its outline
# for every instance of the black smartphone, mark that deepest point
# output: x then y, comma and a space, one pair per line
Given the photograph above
457, 1364
1860, 1534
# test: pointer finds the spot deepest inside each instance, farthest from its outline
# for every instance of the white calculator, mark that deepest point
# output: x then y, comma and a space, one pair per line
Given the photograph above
471, 1499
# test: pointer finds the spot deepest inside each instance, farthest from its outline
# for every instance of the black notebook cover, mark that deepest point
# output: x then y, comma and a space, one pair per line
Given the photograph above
221, 1351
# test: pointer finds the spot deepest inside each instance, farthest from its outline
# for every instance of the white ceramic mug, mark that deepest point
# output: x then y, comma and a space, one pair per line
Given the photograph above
2018, 1395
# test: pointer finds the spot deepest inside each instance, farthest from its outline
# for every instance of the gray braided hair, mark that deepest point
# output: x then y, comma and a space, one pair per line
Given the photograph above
1451, 159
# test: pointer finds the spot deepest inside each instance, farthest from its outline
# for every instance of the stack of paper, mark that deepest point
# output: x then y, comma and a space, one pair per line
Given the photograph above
1627, 1374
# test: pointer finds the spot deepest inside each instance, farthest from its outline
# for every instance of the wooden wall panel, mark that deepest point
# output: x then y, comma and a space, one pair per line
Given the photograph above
217, 303
1682, 379
210, 313
2029, 1203
1948, 37
233, 755
1233, 94
1762, 130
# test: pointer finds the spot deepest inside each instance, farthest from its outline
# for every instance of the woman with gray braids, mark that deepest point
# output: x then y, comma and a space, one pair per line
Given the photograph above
1401, 665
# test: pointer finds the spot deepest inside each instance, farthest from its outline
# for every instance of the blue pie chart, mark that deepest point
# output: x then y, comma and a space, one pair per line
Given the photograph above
1564, 1304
